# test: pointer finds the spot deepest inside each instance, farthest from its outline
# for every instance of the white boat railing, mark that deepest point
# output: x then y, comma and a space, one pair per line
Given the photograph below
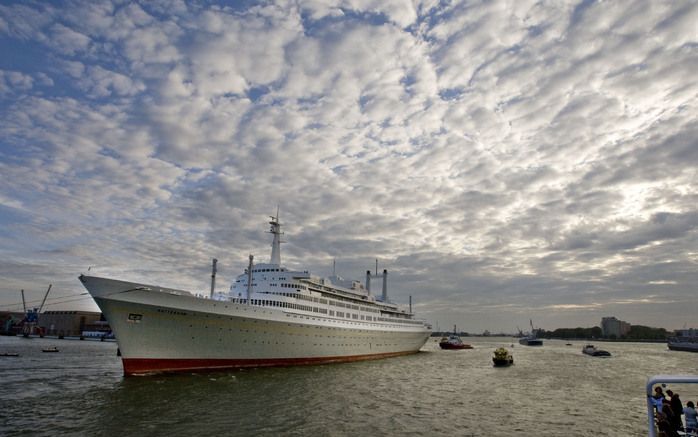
663, 379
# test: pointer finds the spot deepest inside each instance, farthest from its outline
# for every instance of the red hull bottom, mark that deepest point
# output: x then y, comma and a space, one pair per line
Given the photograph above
144, 366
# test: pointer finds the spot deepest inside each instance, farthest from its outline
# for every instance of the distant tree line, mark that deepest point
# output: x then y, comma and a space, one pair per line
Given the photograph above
567, 333
637, 332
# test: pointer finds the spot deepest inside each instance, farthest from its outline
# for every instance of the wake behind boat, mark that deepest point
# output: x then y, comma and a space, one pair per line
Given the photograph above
271, 316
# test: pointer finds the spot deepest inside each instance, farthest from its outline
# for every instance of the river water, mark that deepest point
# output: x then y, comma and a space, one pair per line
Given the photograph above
553, 390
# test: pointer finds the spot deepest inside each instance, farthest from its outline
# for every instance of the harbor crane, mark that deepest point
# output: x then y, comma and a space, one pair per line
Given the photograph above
31, 318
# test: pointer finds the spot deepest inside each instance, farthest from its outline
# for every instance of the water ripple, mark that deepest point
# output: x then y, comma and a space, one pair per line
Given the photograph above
550, 391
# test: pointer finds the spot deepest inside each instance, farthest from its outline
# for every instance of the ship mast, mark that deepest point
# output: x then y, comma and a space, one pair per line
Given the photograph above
276, 243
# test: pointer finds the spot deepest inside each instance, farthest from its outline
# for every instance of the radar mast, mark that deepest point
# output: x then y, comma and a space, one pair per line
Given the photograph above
276, 243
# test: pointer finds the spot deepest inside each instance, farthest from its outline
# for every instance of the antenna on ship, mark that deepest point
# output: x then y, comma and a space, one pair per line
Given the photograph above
384, 295
249, 279
385, 285
213, 276
276, 243
368, 282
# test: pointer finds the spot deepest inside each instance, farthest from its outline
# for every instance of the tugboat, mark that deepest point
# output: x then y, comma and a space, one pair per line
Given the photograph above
590, 349
453, 341
502, 358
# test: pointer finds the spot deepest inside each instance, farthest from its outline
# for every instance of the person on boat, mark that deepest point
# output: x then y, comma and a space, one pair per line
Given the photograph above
663, 425
658, 398
669, 415
689, 414
676, 409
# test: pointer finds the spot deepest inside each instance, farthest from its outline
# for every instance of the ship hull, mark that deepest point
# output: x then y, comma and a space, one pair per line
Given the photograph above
685, 347
166, 330
530, 342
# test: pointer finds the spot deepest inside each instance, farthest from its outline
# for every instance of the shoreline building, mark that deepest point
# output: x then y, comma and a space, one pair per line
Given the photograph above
612, 327
71, 323
74, 324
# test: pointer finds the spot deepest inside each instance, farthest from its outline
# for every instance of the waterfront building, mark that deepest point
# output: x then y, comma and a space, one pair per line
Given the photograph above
69, 323
690, 332
72, 323
612, 327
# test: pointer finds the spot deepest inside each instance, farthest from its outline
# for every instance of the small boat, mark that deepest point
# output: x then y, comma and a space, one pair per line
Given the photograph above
453, 341
50, 349
502, 358
531, 339
592, 350
686, 340
9, 354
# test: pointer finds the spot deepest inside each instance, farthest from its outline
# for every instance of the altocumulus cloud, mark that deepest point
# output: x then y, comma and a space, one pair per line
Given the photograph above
505, 161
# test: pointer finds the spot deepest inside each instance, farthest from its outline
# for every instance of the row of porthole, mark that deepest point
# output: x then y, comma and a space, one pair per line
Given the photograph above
287, 333
315, 344
265, 332
306, 317
381, 318
297, 316
320, 344
289, 324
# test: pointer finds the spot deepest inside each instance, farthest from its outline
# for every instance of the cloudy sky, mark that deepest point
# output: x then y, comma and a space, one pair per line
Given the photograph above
505, 161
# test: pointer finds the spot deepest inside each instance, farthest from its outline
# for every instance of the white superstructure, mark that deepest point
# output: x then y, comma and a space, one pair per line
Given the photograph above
271, 316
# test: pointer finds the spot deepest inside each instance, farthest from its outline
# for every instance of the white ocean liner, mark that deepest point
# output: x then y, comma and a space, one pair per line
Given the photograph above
271, 316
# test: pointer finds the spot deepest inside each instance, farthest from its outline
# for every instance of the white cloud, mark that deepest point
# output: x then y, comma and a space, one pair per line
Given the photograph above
66, 40
499, 157
14, 81
99, 82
